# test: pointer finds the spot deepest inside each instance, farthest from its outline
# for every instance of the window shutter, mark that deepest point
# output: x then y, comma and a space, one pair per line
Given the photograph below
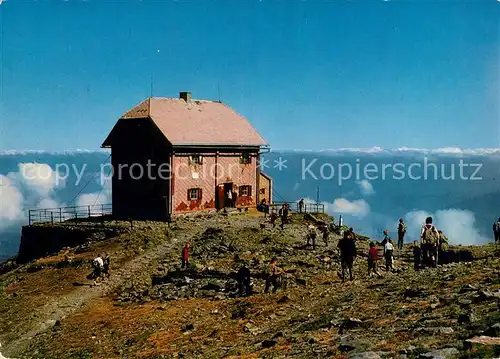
240, 192
200, 194
250, 193
189, 195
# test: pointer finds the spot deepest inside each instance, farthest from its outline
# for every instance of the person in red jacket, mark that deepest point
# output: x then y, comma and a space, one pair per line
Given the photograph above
185, 256
372, 260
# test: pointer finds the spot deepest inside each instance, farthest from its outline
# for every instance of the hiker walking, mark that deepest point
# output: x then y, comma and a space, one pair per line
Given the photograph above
430, 241
243, 278
274, 276
347, 248
326, 234
97, 266
311, 236
301, 205
496, 231
372, 260
417, 255
388, 252
185, 257
284, 215
401, 233
273, 217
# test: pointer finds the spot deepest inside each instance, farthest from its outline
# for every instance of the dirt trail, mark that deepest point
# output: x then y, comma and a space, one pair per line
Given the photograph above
58, 309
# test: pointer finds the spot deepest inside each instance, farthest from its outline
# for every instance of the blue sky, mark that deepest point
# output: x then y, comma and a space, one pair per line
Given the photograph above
307, 74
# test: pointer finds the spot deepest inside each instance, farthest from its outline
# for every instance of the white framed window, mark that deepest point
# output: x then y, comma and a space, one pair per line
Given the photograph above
245, 190
194, 194
245, 158
195, 160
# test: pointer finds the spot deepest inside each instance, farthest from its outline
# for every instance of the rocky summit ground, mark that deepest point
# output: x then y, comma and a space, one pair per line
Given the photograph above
149, 308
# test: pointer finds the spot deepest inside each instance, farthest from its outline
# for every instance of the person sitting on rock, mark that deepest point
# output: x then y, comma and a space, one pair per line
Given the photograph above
347, 248
274, 274
417, 255
372, 260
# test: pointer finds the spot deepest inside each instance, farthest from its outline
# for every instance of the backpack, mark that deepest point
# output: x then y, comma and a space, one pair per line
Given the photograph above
496, 227
430, 236
403, 227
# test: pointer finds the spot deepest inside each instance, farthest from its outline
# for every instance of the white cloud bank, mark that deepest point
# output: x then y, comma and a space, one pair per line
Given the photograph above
32, 186
11, 202
366, 187
458, 225
455, 151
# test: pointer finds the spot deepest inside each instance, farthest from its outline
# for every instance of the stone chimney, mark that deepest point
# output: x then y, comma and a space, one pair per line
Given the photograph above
186, 96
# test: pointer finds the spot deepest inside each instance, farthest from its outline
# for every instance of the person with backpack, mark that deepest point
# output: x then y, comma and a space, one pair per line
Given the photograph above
496, 231
97, 266
311, 236
347, 248
401, 233
429, 236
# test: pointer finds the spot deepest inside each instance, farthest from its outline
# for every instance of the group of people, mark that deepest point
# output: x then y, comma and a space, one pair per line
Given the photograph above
312, 234
283, 214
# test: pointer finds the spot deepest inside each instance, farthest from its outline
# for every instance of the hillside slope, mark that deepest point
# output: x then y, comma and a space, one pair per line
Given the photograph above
149, 308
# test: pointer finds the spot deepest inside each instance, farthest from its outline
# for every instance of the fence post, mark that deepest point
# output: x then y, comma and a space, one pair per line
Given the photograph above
51, 217
60, 214
89, 210
102, 209
29, 217
40, 215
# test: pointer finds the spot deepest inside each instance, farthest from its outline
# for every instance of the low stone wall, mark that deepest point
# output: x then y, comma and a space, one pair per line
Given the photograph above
42, 240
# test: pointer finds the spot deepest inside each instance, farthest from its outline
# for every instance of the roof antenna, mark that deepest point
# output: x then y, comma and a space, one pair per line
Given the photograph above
218, 91
151, 85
